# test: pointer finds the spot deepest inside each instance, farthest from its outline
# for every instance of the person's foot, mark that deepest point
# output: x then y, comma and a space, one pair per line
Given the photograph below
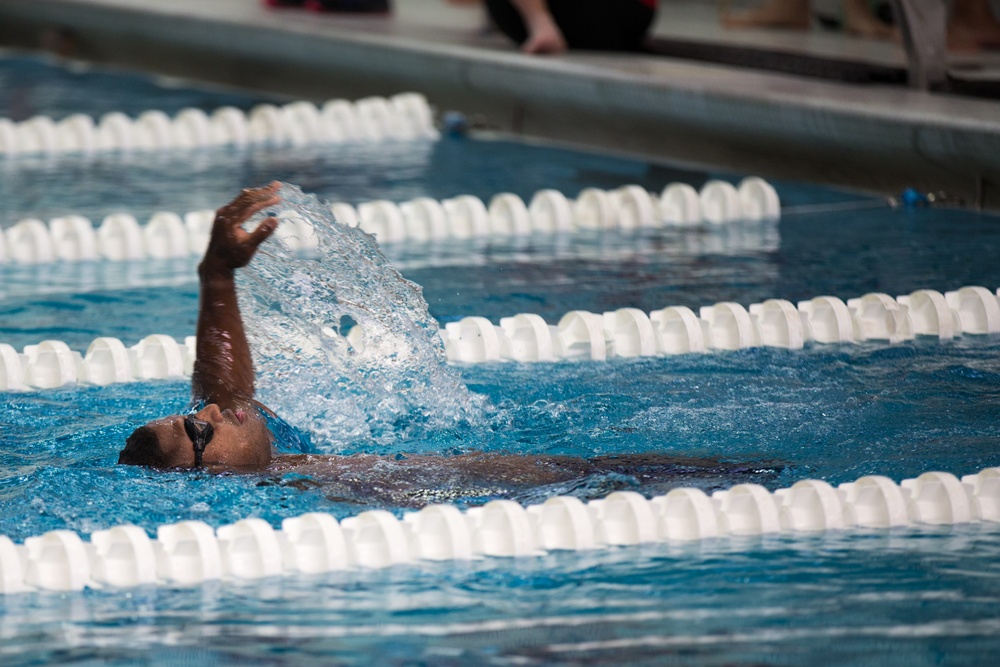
787, 14
861, 22
544, 37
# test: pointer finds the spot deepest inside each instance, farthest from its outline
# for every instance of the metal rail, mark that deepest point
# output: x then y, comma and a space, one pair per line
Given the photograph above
923, 24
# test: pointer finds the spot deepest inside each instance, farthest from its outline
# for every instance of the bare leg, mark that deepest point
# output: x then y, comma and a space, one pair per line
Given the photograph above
544, 35
859, 20
973, 26
791, 14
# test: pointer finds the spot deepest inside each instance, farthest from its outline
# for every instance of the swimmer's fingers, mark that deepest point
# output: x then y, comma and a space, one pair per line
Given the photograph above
232, 246
240, 246
261, 234
241, 201
248, 202
237, 215
253, 194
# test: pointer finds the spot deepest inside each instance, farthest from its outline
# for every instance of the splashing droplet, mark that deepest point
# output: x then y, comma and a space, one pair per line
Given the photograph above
305, 286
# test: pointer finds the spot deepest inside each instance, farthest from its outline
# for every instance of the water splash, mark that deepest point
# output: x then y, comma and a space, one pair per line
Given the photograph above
299, 308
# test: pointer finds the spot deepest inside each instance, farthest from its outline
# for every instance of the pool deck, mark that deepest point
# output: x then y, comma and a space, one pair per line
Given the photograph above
877, 137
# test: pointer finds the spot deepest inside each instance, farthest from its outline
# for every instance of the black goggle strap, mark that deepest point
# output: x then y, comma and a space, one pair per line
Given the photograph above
201, 433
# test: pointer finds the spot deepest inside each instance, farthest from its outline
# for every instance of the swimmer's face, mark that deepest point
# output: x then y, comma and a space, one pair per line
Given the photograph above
240, 440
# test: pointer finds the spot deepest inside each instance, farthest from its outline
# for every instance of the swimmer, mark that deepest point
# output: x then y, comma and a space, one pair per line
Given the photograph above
230, 431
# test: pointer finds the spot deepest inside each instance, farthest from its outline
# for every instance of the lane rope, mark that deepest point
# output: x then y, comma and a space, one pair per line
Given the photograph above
191, 552
578, 336
120, 237
402, 117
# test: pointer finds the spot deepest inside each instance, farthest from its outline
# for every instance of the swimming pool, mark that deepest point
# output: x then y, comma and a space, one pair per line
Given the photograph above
921, 595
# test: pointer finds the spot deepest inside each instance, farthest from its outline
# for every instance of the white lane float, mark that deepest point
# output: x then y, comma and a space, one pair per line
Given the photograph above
404, 117
526, 337
189, 553
120, 237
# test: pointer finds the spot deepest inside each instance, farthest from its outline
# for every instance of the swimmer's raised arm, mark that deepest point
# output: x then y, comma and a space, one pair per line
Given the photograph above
223, 369
226, 432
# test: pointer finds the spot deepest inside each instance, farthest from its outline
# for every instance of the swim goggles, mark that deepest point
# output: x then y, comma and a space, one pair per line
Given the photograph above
201, 433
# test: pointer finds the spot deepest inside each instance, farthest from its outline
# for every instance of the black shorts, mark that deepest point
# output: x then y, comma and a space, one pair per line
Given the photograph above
605, 25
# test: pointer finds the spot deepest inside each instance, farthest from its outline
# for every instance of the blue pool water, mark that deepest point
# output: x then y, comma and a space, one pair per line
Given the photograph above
920, 596
34, 86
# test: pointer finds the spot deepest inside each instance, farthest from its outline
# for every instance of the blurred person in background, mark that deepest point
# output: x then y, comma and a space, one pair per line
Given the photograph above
972, 27
554, 26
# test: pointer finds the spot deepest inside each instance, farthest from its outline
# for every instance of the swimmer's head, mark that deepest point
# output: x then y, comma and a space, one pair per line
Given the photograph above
238, 439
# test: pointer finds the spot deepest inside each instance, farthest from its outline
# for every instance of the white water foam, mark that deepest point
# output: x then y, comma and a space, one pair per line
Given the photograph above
298, 309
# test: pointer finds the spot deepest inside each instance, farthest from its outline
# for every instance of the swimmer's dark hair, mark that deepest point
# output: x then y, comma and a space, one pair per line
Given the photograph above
142, 448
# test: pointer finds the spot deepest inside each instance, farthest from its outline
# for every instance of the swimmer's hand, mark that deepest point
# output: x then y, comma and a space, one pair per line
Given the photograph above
231, 246
223, 368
